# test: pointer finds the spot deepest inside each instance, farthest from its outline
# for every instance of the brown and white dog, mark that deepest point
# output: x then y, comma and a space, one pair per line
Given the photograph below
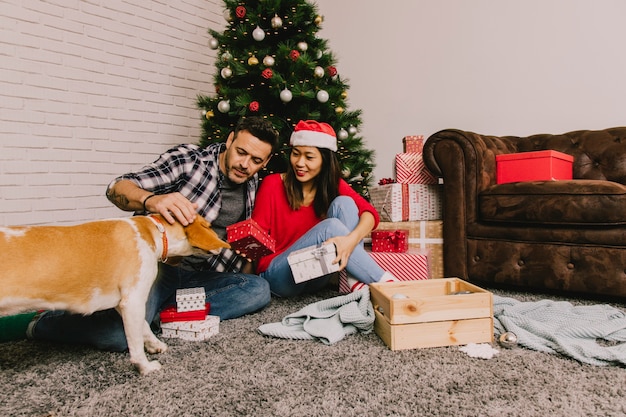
95, 266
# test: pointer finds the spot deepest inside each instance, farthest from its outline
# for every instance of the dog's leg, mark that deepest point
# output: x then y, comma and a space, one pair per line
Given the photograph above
133, 316
151, 342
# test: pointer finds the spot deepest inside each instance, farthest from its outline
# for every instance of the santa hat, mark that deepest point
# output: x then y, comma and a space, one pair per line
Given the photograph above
312, 133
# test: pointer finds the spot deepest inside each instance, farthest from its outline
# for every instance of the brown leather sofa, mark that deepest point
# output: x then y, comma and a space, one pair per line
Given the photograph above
567, 236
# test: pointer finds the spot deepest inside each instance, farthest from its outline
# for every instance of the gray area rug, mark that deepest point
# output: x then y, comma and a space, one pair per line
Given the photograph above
242, 373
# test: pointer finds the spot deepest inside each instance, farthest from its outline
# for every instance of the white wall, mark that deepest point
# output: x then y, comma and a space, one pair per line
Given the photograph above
488, 66
93, 89
90, 90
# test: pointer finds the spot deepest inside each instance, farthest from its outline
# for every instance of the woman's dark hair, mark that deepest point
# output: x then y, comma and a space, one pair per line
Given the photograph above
260, 128
326, 184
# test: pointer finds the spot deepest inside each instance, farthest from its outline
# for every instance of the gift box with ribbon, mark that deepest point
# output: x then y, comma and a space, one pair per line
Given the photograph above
390, 240
313, 262
407, 202
250, 239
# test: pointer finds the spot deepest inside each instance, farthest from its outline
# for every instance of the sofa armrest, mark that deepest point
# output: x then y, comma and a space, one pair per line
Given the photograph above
466, 162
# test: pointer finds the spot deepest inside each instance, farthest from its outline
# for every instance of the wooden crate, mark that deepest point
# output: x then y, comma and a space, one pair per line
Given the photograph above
432, 313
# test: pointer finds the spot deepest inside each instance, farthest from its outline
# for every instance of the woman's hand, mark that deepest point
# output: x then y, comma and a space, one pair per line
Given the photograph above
345, 246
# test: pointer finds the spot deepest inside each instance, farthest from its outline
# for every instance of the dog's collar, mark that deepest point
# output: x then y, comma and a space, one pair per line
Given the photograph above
157, 222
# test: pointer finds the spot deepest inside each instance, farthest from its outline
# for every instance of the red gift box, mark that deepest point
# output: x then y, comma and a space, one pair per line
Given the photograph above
248, 238
169, 314
410, 169
390, 241
413, 144
533, 166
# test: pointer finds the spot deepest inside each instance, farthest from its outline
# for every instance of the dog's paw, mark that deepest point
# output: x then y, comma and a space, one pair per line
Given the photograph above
155, 346
146, 368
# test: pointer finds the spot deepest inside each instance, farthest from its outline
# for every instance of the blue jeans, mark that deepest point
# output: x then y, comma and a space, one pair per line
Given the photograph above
230, 294
343, 216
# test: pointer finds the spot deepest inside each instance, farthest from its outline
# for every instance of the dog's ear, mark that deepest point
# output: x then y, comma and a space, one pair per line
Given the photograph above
200, 235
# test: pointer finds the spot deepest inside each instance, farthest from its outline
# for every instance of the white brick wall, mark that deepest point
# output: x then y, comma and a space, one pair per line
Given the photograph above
93, 89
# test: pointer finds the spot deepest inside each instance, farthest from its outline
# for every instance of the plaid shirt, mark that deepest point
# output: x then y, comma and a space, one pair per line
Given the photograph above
194, 172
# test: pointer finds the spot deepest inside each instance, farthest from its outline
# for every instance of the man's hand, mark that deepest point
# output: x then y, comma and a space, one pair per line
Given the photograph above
172, 207
126, 195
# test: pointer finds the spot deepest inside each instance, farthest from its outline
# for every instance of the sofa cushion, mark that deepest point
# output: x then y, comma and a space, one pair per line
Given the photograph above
571, 202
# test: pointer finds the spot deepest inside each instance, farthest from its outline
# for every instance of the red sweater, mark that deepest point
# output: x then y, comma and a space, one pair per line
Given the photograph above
273, 214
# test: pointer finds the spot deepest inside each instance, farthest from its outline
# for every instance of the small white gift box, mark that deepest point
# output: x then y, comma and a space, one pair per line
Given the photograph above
196, 330
313, 262
190, 299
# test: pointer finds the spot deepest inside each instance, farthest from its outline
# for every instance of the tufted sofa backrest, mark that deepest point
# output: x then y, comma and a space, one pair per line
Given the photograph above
598, 154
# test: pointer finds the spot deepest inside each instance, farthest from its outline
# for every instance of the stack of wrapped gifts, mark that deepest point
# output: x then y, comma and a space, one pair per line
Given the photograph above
412, 201
391, 251
189, 319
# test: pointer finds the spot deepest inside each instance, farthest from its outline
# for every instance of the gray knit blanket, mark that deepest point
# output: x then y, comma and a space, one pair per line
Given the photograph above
593, 334
328, 321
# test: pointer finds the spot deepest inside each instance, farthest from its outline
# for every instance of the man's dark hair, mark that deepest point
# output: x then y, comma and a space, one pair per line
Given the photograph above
260, 128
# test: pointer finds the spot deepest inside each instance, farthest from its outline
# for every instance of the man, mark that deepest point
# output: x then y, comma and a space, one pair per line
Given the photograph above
219, 183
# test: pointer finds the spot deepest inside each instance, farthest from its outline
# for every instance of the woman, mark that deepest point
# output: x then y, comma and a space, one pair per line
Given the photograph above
311, 204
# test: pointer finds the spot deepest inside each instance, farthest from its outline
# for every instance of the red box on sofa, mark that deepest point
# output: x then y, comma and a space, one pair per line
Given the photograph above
533, 166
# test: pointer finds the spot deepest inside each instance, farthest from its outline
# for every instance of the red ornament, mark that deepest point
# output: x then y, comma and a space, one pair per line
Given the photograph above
240, 12
267, 73
294, 55
254, 106
217, 88
332, 71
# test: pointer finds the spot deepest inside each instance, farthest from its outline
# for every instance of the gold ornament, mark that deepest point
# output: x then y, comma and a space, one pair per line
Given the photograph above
344, 95
318, 20
339, 110
209, 114
253, 61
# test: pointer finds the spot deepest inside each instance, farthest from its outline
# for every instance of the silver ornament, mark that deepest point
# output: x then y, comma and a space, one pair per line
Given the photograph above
213, 43
303, 46
342, 134
508, 340
352, 130
226, 72
276, 22
322, 96
398, 296
224, 106
286, 96
258, 34
318, 72
268, 61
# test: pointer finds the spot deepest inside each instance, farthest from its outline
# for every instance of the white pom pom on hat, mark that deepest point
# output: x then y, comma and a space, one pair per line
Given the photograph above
313, 133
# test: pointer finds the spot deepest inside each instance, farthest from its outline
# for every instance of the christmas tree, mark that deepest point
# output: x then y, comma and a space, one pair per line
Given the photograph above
271, 63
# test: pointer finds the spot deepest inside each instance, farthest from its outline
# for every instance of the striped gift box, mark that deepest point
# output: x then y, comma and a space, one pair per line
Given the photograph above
412, 265
410, 169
